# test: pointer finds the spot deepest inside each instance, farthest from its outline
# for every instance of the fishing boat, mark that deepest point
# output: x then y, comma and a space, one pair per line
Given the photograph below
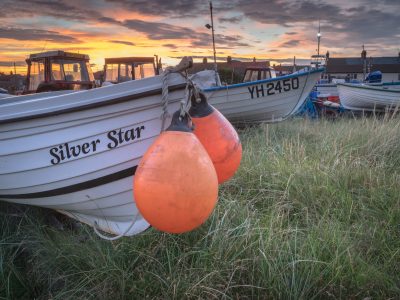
268, 99
58, 70
77, 152
363, 97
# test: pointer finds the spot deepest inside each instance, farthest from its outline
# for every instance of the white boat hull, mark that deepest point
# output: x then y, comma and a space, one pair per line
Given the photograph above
327, 90
361, 97
77, 152
267, 100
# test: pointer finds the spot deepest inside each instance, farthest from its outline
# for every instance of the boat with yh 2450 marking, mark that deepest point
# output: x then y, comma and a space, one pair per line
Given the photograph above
262, 99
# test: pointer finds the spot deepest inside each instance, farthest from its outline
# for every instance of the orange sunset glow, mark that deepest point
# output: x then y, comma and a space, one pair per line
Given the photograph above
268, 30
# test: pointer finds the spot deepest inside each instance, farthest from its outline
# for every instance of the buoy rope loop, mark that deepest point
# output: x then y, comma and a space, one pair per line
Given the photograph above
109, 238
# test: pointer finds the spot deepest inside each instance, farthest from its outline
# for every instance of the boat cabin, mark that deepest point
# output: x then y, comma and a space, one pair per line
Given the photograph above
318, 61
258, 73
58, 70
121, 69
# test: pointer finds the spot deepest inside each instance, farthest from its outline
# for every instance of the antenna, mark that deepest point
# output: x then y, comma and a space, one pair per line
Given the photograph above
44, 47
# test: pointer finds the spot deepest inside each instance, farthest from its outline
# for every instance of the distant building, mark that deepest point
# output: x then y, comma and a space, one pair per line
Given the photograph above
231, 71
349, 68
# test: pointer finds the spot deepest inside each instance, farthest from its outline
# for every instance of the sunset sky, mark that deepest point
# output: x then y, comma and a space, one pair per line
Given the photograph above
273, 30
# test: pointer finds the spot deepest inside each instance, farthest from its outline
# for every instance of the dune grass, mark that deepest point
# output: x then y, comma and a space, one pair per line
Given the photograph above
312, 213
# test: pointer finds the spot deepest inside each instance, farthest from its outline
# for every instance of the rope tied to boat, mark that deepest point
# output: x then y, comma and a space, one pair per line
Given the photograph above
164, 99
190, 90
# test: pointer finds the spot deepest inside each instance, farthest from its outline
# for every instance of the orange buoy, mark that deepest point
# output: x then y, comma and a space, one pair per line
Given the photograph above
175, 185
218, 136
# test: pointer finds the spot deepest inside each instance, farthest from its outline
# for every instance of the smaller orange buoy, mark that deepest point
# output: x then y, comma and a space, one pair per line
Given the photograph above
218, 136
175, 185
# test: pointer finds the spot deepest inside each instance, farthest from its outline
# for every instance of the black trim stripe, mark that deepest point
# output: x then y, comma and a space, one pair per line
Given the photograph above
95, 105
76, 187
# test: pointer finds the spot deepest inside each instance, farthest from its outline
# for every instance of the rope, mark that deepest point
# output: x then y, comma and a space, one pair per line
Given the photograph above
190, 90
95, 225
164, 99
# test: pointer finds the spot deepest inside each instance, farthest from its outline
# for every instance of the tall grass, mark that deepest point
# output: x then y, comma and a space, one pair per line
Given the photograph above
312, 213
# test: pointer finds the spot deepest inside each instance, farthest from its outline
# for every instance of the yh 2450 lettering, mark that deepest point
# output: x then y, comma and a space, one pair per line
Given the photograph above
274, 87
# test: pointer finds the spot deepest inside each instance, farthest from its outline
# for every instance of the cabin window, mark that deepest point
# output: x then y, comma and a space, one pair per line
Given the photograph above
67, 70
56, 71
89, 69
273, 74
247, 76
36, 75
148, 70
73, 71
138, 71
254, 76
112, 73
265, 74
251, 75
125, 72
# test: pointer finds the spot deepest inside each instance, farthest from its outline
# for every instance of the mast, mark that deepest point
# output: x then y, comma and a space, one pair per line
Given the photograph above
319, 41
213, 39
364, 59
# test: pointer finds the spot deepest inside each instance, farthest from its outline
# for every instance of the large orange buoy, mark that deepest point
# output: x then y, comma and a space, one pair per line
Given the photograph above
218, 136
175, 185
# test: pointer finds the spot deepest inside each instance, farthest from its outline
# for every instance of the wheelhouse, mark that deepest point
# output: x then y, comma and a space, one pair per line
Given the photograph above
121, 69
58, 70
258, 73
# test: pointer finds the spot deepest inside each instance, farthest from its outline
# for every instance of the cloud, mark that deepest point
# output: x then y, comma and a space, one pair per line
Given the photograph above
343, 23
161, 31
71, 10
172, 46
233, 20
287, 12
171, 8
23, 34
289, 44
122, 42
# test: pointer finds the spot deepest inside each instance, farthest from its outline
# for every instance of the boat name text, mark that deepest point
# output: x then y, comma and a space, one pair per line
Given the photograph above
274, 87
115, 138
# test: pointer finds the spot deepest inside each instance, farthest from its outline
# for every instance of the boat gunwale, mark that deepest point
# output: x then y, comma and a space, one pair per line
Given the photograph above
94, 105
237, 85
367, 87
